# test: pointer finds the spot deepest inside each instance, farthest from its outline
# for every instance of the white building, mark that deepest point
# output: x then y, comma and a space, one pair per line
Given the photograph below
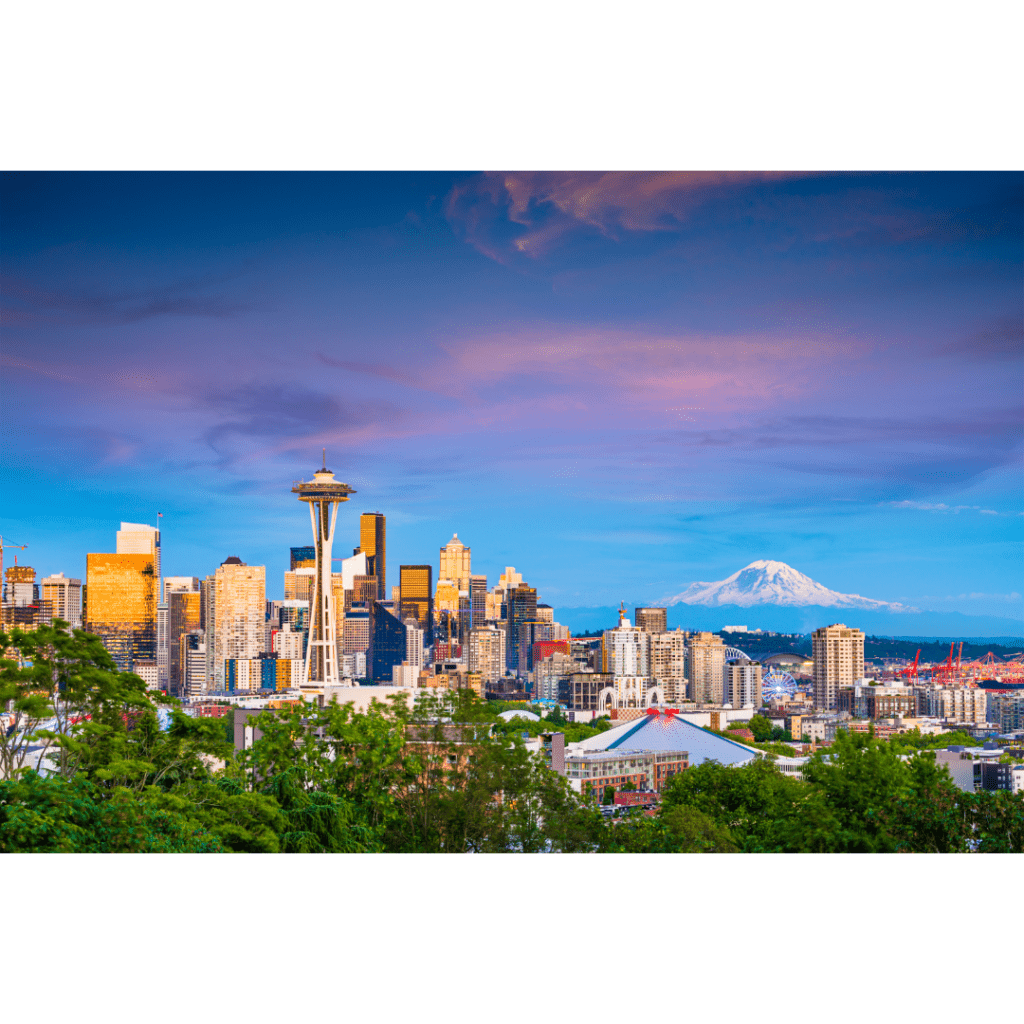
139, 539
487, 652
743, 684
626, 650
957, 703
838, 653
65, 597
414, 653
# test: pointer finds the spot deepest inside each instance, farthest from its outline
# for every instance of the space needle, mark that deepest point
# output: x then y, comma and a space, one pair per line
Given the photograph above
323, 494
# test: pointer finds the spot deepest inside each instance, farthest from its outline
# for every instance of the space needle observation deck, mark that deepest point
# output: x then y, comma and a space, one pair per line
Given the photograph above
323, 494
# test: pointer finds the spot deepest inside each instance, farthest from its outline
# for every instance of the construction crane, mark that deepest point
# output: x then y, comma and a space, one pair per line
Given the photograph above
21, 547
911, 670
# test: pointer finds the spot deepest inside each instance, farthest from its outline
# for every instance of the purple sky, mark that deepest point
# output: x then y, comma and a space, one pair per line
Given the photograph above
617, 383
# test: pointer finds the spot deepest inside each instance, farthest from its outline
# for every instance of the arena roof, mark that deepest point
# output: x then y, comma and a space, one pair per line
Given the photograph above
658, 731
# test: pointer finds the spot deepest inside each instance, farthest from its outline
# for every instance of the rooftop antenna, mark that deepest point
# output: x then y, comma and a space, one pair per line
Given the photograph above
325, 458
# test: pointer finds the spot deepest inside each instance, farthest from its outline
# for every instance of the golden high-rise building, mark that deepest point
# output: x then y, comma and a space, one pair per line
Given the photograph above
373, 543
455, 559
416, 593
706, 668
240, 612
122, 605
838, 653
139, 539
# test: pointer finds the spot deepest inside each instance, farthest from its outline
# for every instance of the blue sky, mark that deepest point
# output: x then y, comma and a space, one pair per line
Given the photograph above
617, 383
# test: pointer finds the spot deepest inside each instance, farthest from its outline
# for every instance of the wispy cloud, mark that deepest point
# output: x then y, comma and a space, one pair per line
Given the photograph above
26, 305
1001, 340
924, 506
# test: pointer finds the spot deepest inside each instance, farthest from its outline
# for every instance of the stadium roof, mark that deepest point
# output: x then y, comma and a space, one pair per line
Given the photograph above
658, 730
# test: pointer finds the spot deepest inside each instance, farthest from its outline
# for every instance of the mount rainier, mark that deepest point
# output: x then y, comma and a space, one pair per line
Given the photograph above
766, 582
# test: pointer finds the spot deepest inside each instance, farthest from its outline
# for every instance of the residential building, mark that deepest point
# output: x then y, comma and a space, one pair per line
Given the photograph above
838, 653
668, 663
651, 620
957, 703
65, 597
590, 774
299, 584
626, 650
487, 653
705, 668
288, 643
356, 629
191, 657
20, 586
1006, 709
551, 676
414, 647
239, 614
585, 688
743, 684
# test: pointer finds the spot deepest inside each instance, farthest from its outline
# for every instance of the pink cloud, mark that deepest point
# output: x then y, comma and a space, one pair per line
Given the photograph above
549, 204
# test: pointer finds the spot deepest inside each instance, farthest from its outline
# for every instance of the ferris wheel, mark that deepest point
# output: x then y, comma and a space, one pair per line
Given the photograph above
776, 683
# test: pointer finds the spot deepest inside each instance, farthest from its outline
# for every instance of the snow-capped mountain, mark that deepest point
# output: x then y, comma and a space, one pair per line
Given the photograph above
765, 582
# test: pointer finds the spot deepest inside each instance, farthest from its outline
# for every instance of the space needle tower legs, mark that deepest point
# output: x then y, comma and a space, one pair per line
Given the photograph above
323, 494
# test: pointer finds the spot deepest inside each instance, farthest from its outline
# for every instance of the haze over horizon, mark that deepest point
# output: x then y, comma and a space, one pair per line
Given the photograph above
619, 384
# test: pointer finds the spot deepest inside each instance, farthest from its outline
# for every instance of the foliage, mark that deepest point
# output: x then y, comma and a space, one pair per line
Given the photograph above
39, 815
761, 727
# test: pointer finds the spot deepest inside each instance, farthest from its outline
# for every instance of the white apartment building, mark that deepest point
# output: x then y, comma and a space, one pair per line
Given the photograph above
240, 611
743, 684
65, 597
957, 703
626, 650
487, 652
668, 664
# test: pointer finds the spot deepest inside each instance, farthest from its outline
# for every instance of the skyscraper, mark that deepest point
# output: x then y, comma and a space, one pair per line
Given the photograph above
706, 668
387, 643
373, 544
668, 664
65, 597
139, 539
303, 558
182, 617
626, 650
122, 605
838, 653
416, 597
652, 620
487, 653
521, 604
455, 559
323, 494
165, 643
239, 613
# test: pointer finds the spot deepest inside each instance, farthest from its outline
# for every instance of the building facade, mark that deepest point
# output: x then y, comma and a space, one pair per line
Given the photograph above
651, 620
65, 598
838, 654
240, 608
705, 668
122, 605
487, 653
416, 596
373, 544
743, 684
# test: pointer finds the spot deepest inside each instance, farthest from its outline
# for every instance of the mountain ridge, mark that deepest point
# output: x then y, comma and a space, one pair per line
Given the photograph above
767, 582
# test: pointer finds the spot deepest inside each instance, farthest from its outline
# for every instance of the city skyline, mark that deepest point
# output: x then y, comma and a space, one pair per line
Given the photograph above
619, 384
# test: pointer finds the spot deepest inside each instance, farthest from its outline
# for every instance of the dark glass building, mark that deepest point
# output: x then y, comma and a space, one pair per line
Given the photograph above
387, 643
303, 558
521, 605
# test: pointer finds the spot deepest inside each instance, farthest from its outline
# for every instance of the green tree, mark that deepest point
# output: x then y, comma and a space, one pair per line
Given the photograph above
54, 815
761, 727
